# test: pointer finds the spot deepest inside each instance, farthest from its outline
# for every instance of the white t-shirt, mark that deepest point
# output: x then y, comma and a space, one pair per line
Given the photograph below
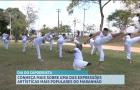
135, 20
60, 40
38, 40
5, 36
48, 37
77, 55
24, 38
101, 39
127, 40
77, 40
91, 41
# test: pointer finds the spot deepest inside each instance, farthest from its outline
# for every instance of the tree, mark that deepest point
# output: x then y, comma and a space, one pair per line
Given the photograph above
45, 29
65, 29
132, 5
18, 22
75, 3
3, 22
31, 16
120, 18
128, 3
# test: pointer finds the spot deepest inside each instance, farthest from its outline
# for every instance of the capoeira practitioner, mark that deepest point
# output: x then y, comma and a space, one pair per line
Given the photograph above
60, 42
91, 42
101, 38
37, 43
136, 21
128, 42
78, 63
24, 42
77, 38
5, 40
50, 40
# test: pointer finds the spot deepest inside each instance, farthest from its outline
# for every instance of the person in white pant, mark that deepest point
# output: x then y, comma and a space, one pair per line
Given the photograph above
77, 38
5, 40
78, 62
24, 42
60, 42
37, 43
50, 40
136, 21
102, 38
128, 42
91, 42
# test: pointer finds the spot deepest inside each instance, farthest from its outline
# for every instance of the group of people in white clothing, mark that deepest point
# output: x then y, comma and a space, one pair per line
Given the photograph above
104, 37
38, 41
96, 42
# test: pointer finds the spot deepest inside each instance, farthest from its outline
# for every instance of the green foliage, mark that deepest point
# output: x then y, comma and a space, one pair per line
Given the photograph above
45, 30
75, 3
130, 2
64, 29
18, 21
3, 21
121, 18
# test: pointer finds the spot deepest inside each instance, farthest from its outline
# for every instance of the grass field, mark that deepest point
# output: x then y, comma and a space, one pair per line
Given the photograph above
13, 59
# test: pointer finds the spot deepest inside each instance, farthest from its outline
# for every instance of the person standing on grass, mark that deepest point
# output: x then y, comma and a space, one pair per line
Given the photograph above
128, 42
49, 37
24, 42
5, 40
77, 38
78, 62
136, 21
37, 43
91, 42
60, 42
100, 39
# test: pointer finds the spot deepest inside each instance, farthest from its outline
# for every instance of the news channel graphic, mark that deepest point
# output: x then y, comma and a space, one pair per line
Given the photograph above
65, 77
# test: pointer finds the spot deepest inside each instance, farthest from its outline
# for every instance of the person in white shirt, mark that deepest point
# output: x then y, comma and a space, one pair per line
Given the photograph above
24, 42
37, 43
102, 38
49, 37
136, 21
78, 62
128, 42
60, 42
5, 40
77, 38
91, 42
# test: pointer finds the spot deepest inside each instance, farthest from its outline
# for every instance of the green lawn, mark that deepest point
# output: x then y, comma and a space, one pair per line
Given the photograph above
13, 59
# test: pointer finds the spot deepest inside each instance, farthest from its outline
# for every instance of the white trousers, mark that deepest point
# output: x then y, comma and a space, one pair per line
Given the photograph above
79, 65
60, 50
5, 43
37, 47
93, 49
100, 51
128, 44
137, 25
51, 45
24, 45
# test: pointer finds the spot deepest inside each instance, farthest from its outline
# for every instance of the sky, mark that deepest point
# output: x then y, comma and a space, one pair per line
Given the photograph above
47, 12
